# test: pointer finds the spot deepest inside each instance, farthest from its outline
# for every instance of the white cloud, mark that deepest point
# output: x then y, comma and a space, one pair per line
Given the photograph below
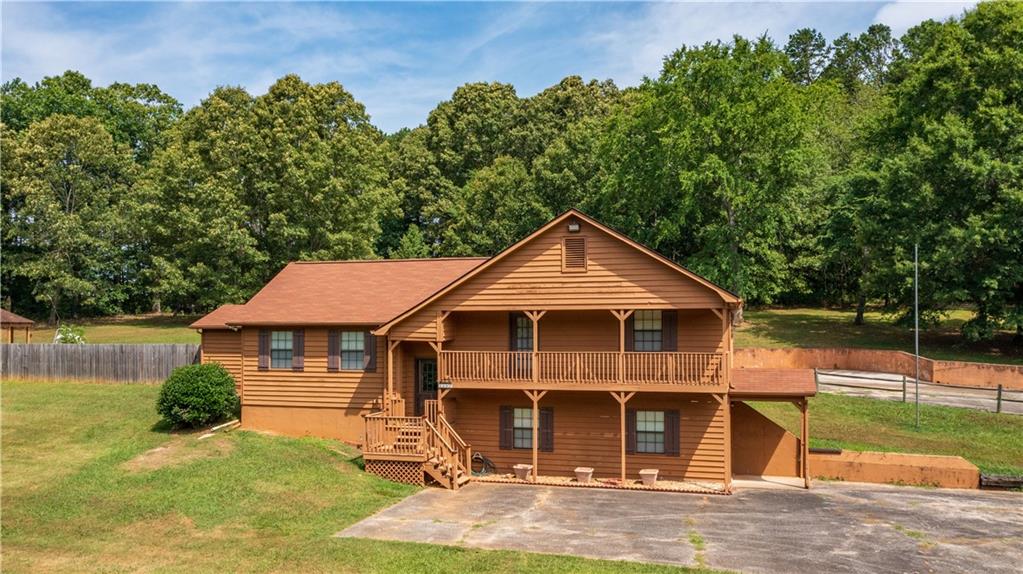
903, 15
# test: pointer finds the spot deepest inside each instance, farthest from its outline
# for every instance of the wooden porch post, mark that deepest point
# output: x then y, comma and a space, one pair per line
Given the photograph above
622, 398
28, 334
535, 396
726, 403
804, 435
535, 317
391, 345
622, 316
438, 347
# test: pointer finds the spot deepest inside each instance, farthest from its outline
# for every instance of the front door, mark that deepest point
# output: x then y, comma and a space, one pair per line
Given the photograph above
426, 383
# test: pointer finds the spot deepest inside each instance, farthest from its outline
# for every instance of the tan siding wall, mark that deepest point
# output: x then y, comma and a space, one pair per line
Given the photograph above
699, 331
286, 401
225, 347
760, 446
586, 433
618, 276
405, 378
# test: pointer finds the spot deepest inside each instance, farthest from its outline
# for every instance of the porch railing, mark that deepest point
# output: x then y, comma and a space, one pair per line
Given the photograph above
584, 367
390, 435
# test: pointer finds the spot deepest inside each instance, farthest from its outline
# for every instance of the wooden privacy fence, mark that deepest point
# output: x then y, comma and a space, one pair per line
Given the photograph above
132, 363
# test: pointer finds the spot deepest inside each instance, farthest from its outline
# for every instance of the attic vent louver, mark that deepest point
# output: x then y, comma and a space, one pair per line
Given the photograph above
574, 254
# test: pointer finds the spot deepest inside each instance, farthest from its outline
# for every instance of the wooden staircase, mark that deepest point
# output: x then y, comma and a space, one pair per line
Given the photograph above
412, 449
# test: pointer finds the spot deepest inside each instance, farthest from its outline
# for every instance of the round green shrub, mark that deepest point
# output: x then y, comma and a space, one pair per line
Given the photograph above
197, 395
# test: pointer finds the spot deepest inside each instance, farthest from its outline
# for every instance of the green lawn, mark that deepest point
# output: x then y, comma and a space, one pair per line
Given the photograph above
991, 441
127, 329
780, 328
80, 494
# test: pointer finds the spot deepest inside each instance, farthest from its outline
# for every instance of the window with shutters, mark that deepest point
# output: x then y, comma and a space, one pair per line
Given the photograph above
573, 250
647, 331
353, 347
650, 432
281, 347
522, 426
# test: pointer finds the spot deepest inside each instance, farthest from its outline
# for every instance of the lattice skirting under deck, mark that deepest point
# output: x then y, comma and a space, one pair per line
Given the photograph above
407, 472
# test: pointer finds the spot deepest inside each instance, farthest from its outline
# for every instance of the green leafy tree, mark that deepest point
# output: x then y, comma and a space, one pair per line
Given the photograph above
202, 250
137, 115
72, 187
808, 53
318, 174
711, 164
947, 158
411, 246
863, 60
493, 210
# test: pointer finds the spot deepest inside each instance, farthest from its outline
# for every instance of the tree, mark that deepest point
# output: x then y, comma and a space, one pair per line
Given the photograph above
494, 209
865, 59
136, 115
202, 250
411, 246
947, 157
318, 174
72, 187
710, 163
808, 53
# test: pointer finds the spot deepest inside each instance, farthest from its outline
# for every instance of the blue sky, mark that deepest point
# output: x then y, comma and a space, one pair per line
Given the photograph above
399, 59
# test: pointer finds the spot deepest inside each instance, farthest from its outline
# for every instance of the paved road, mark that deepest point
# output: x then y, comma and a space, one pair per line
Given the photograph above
834, 527
929, 394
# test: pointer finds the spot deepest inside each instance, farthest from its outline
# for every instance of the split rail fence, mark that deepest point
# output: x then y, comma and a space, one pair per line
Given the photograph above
980, 398
128, 363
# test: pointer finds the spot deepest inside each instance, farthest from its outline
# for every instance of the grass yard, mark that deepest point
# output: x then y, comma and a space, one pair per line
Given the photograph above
780, 328
127, 329
91, 481
992, 442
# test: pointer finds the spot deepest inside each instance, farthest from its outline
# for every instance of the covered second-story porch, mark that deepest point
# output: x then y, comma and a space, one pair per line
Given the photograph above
660, 350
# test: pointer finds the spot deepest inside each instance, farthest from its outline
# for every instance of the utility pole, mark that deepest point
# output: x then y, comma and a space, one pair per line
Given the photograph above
916, 325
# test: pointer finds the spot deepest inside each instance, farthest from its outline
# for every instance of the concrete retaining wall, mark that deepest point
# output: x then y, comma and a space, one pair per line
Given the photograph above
960, 373
896, 468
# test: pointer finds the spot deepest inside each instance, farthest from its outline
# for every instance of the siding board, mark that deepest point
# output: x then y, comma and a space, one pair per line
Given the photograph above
586, 433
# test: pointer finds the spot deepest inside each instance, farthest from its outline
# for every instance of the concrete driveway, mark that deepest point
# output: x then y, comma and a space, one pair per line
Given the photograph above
834, 527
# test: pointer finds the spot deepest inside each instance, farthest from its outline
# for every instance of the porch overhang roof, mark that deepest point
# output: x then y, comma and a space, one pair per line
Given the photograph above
755, 382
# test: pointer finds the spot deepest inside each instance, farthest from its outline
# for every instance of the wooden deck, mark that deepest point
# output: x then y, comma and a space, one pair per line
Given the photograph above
598, 371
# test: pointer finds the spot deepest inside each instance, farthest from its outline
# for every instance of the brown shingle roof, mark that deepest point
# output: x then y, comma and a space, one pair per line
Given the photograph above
344, 292
773, 383
13, 320
219, 318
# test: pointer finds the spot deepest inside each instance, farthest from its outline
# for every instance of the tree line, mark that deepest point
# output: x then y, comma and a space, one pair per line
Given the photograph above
795, 173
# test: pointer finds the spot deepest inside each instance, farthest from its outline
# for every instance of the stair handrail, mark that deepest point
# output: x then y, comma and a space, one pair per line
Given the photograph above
465, 460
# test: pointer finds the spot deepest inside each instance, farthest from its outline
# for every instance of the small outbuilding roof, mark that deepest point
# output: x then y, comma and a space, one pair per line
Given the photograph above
12, 320
773, 383
323, 293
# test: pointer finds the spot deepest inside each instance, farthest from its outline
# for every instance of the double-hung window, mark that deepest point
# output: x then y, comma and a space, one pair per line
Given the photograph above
650, 432
522, 428
281, 349
353, 348
523, 333
647, 331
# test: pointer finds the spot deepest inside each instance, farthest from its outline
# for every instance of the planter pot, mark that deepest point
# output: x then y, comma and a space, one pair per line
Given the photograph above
649, 476
522, 471
583, 474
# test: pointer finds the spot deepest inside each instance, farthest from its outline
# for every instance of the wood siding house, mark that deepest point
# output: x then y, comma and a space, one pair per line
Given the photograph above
575, 347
